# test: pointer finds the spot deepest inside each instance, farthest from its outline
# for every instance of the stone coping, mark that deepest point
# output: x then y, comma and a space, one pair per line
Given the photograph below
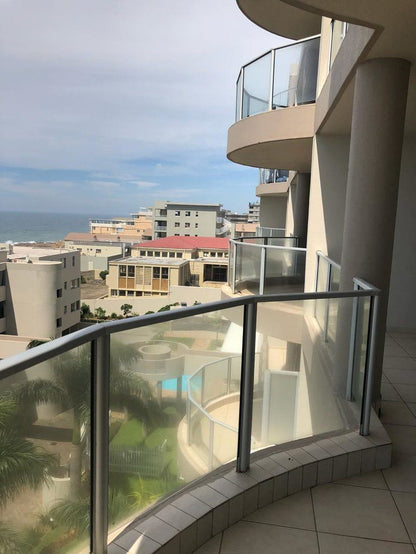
189, 518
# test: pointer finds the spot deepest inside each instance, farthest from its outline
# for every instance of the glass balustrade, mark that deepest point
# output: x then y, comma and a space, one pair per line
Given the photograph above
281, 78
151, 403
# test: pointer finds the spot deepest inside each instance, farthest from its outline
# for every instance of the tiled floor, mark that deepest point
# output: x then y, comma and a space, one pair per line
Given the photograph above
373, 513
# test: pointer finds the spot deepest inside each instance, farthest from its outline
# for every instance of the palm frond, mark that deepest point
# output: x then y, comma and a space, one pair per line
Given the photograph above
21, 465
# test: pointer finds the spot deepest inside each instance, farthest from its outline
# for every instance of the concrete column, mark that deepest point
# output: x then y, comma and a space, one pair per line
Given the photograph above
373, 177
301, 208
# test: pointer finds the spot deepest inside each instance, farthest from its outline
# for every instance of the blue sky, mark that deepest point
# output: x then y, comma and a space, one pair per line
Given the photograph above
110, 105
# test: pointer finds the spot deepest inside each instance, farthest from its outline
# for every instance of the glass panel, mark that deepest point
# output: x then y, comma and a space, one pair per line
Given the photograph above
305, 386
338, 30
285, 270
45, 451
170, 385
256, 91
248, 261
295, 74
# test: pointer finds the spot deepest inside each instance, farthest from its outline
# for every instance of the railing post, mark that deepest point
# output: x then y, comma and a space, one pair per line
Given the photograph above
211, 445
353, 340
262, 270
241, 94
234, 266
246, 387
327, 287
100, 404
202, 387
229, 376
369, 367
271, 80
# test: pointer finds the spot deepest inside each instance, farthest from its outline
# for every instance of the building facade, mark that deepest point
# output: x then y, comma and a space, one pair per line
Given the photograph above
189, 220
40, 291
155, 266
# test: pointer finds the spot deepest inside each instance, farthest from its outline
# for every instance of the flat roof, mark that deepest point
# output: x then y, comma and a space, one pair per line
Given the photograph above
150, 261
185, 243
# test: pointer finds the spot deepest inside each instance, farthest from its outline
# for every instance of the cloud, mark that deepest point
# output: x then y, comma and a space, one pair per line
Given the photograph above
146, 184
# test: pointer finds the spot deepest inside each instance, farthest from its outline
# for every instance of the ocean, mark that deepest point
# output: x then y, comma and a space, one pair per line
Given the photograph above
41, 227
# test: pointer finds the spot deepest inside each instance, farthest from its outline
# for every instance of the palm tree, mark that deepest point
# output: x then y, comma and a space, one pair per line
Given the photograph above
70, 389
21, 463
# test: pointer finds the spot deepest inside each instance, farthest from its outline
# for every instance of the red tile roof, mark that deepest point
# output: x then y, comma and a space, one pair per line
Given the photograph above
186, 243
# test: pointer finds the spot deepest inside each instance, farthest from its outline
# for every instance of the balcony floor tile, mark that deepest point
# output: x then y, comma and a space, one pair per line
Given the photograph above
328, 544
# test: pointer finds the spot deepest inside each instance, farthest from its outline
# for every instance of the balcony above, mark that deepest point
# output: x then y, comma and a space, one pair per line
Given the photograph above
281, 18
275, 108
272, 182
280, 137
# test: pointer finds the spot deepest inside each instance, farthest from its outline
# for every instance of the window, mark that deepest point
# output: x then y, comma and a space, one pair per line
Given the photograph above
176, 235
171, 254
59, 322
177, 224
73, 283
122, 270
73, 306
156, 273
205, 254
98, 250
196, 214
150, 252
219, 254
65, 309
187, 225
157, 254
77, 304
130, 270
130, 293
113, 292
78, 282
196, 225
187, 213
65, 285
63, 260
177, 212
59, 293
142, 252
122, 293
212, 254
164, 254
179, 254
73, 261
165, 273
187, 235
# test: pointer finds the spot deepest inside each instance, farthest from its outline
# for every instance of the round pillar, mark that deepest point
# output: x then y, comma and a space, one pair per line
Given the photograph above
378, 117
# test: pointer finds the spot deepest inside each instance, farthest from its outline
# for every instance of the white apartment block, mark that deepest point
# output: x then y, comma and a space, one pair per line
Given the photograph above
39, 292
189, 220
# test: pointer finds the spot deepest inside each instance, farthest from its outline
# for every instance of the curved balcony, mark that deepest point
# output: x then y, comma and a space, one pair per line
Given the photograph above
272, 182
266, 265
281, 18
275, 108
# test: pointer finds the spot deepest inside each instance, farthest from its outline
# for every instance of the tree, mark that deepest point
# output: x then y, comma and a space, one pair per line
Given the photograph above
99, 313
126, 309
85, 311
103, 274
71, 390
22, 464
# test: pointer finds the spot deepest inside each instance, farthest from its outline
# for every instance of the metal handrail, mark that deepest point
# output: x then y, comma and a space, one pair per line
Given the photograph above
250, 244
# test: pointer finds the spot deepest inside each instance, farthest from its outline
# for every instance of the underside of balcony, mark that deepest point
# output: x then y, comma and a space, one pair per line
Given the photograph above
279, 138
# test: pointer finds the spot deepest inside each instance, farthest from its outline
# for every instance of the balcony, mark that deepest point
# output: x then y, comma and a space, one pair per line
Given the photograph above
281, 18
275, 108
266, 265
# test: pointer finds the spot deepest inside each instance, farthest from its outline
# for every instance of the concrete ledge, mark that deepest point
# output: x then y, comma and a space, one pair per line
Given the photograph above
195, 515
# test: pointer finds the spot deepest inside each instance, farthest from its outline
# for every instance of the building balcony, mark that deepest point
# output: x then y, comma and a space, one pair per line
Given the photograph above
281, 18
266, 265
275, 108
148, 409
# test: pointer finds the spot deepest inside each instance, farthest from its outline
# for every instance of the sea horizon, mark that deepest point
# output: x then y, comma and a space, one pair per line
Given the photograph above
35, 227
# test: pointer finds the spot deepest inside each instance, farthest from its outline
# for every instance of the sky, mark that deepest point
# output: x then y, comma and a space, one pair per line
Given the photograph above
109, 105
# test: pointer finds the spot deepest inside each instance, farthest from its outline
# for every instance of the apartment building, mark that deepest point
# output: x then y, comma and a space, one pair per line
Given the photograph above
155, 266
138, 224
40, 291
189, 220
